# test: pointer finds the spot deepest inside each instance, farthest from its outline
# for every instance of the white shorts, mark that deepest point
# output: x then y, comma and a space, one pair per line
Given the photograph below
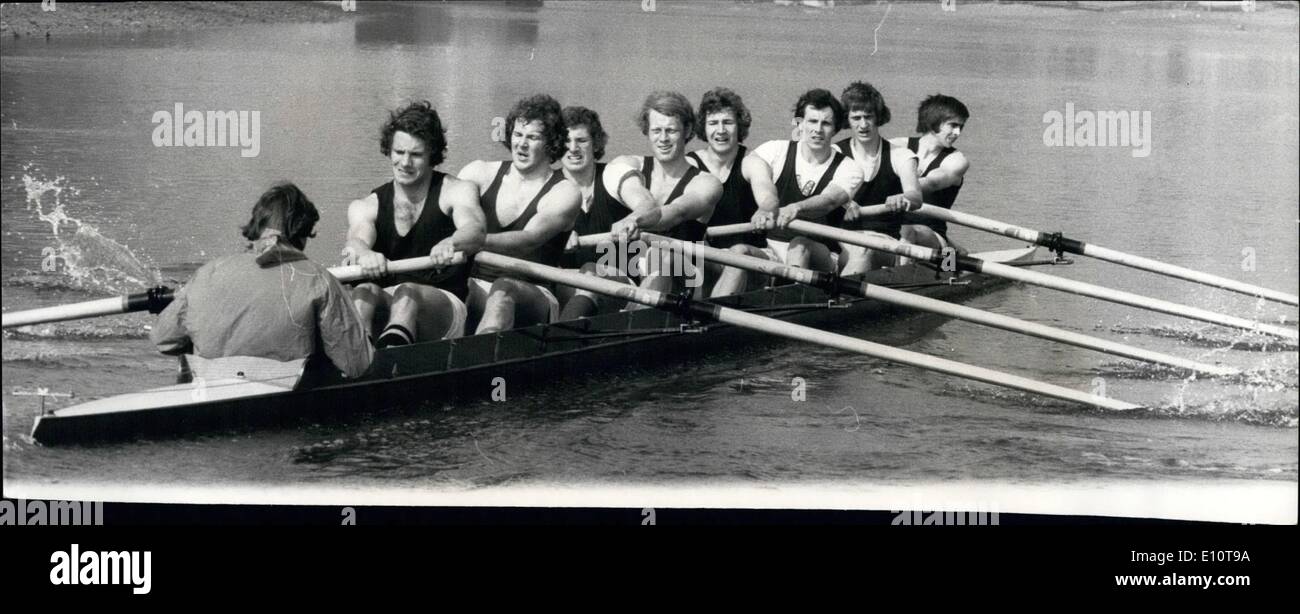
777, 250
459, 311
552, 303
852, 251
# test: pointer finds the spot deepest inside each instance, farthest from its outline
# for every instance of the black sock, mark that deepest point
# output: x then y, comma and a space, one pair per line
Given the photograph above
395, 334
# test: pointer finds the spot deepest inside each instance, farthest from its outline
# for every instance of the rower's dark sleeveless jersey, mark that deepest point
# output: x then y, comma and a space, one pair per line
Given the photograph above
885, 184
787, 188
735, 206
431, 228
548, 253
604, 211
688, 230
943, 198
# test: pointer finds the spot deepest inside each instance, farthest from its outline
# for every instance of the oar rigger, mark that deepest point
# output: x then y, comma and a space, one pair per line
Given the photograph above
1057, 242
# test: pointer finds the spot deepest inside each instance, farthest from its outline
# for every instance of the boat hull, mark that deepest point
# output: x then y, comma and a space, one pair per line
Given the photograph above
467, 368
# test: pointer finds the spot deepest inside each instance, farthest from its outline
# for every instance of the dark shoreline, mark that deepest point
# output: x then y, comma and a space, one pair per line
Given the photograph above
33, 19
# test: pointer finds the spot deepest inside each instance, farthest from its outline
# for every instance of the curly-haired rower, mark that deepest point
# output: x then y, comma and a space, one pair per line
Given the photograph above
721, 99
862, 96
582, 116
420, 120
543, 108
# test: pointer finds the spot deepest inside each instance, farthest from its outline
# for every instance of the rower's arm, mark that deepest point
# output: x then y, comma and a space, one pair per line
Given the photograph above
951, 172
555, 214
821, 204
461, 197
624, 182
361, 228
695, 203
758, 173
168, 333
479, 173
846, 181
905, 169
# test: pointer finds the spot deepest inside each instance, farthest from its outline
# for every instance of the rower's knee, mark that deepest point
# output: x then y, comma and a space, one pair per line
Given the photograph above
367, 292
406, 291
503, 288
920, 235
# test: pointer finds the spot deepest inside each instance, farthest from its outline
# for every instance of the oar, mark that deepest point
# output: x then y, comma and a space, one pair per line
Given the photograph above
835, 283
1058, 243
724, 230
735, 317
156, 299
967, 263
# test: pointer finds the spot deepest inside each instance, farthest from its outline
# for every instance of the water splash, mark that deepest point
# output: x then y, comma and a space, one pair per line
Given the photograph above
81, 258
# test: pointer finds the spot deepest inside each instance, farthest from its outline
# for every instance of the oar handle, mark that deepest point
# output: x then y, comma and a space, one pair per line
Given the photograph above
724, 230
352, 272
873, 210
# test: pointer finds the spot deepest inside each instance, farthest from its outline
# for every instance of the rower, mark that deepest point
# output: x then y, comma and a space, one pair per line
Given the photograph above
889, 177
939, 120
269, 301
812, 183
685, 196
420, 212
724, 124
530, 210
601, 212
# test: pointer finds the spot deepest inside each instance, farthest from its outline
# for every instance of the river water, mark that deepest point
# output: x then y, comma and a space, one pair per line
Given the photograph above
86, 192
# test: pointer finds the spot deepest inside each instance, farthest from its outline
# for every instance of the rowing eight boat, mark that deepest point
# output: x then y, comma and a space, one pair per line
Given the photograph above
468, 366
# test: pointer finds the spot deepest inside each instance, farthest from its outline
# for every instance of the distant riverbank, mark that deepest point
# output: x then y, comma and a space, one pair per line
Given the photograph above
18, 20
28, 19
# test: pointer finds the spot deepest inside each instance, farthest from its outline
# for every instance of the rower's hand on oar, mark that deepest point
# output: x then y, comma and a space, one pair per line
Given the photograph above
442, 254
373, 264
851, 211
624, 230
763, 220
898, 202
787, 214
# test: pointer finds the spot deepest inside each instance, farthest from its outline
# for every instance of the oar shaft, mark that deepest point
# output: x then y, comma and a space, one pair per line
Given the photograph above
861, 346
918, 252
797, 332
59, 313
1132, 300
922, 303
1107, 254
